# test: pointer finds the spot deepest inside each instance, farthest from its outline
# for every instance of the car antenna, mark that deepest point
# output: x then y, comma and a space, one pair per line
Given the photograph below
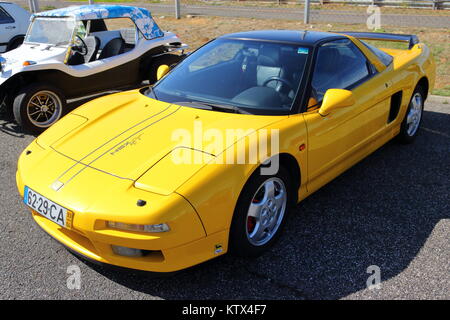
303, 34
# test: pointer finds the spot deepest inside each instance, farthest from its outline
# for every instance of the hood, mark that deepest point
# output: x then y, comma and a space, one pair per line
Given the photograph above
31, 52
127, 133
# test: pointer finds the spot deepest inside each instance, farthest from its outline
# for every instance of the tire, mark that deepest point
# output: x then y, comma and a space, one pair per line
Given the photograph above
413, 117
6, 107
243, 239
34, 114
169, 59
14, 43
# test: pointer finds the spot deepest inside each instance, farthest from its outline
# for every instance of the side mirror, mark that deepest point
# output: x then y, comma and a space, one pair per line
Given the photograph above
162, 71
335, 99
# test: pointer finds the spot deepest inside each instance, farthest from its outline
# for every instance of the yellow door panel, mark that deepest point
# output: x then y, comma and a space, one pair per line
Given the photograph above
337, 137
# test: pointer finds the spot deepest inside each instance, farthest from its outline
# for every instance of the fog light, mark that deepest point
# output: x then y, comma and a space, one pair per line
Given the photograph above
162, 227
128, 252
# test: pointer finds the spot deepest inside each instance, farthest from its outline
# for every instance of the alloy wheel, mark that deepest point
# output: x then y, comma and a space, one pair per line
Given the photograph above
414, 114
266, 211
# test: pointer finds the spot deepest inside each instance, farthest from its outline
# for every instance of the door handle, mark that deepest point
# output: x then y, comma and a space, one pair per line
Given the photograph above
10, 27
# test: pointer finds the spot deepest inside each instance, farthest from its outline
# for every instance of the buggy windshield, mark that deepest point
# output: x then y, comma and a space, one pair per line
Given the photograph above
55, 31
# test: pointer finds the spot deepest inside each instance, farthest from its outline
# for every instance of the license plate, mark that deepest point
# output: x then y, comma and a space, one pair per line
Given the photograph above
48, 208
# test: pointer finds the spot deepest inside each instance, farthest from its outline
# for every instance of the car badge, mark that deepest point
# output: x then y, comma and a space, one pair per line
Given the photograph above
218, 249
57, 185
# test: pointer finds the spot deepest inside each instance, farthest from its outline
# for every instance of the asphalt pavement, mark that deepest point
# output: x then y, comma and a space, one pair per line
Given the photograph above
392, 211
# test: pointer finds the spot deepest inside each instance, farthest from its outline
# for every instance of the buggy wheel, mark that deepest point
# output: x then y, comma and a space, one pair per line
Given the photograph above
38, 106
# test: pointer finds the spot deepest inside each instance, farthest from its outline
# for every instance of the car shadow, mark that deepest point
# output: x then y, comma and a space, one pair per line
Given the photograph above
380, 212
9, 126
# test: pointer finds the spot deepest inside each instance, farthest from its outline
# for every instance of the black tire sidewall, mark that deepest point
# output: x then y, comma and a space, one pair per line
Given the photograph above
21, 101
15, 43
238, 242
403, 136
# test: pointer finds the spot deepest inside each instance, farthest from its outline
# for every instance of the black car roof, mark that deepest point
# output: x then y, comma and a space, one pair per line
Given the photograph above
304, 37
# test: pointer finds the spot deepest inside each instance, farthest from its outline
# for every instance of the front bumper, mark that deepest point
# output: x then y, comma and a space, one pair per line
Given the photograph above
166, 260
185, 245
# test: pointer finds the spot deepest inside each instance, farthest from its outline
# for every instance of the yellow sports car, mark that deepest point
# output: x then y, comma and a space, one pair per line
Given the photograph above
213, 157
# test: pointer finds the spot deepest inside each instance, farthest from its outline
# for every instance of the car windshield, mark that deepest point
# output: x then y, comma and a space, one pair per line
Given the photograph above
56, 31
253, 76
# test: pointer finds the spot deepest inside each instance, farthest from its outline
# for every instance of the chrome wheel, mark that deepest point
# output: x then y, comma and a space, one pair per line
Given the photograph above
266, 211
414, 114
44, 108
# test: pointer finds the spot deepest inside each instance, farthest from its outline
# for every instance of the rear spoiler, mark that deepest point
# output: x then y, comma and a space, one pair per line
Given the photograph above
410, 38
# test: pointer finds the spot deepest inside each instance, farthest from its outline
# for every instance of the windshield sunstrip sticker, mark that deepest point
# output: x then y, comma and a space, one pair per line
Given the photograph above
302, 50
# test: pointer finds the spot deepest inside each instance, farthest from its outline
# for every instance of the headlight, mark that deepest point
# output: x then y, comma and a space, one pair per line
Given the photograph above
162, 227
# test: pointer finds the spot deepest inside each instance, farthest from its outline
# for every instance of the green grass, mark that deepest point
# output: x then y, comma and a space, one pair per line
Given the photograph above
45, 8
442, 92
388, 44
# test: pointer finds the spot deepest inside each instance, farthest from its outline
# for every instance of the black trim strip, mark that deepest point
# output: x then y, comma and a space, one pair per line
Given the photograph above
410, 38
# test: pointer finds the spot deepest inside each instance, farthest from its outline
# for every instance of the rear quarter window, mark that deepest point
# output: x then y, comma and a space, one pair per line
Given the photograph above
383, 56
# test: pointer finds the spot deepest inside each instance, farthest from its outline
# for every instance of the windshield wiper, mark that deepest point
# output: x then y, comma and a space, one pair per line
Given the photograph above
211, 106
51, 45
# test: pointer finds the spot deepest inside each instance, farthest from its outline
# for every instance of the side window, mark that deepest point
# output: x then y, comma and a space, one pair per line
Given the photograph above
339, 65
124, 27
5, 17
80, 29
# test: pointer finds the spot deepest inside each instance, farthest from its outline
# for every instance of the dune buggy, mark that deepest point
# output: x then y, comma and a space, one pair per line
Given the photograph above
77, 51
